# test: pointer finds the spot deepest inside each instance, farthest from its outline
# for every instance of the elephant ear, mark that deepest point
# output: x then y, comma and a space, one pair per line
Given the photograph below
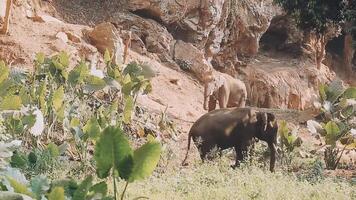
219, 81
263, 119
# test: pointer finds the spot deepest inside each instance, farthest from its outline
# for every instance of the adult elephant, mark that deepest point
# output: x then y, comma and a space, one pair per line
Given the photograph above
225, 89
234, 127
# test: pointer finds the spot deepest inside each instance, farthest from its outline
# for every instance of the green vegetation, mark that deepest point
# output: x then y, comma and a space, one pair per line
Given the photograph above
338, 125
318, 18
53, 101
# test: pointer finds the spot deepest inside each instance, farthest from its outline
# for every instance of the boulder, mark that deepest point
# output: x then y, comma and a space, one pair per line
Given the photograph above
193, 59
104, 36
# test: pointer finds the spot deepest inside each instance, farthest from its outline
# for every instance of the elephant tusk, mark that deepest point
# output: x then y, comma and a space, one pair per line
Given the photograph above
271, 124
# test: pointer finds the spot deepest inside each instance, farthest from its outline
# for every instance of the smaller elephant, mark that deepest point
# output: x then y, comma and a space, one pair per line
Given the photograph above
234, 127
221, 87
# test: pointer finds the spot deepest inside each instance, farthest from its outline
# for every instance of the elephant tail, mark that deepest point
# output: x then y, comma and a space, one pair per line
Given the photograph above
186, 154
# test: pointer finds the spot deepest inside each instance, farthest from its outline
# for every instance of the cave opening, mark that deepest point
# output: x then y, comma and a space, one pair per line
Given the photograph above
277, 40
148, 14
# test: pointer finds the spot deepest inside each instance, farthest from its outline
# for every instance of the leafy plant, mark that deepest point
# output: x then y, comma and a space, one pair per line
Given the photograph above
115, 158
338, 113
288, 141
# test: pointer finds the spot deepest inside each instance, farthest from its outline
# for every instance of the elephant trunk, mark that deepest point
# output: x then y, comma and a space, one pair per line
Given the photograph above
272, 147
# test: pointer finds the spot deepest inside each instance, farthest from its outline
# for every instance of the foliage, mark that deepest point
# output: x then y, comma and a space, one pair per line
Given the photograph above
288, 141
321, 19
113, 153
38, 161
72, 107
338, 121
314, 15
351, 18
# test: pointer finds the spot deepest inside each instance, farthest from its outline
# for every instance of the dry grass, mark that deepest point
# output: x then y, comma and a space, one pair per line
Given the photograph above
218, 181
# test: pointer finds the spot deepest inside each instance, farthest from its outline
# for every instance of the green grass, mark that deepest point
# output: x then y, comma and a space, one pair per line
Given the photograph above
218, 181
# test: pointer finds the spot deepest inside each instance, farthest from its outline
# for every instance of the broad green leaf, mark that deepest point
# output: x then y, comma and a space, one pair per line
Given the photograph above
53, 149
145, 160
350, 93
127, 85
347, 112
11, 102
64, 59
18, 160
332, 133
29, 120
69, 185
57, 194
64, 74
83, 189
94, 83
74, 122
60, 113
58, 97
15, 125
110, 150
107, 57
39, 185
40, 58
57, 66
334, 90
148, 88
322, 92
32, 157
112, 108
4, 71
25, 96
78, 74
128, 109
101, 188
133, 69
92, 128
4, 87
42, 97
19, 188
283, 129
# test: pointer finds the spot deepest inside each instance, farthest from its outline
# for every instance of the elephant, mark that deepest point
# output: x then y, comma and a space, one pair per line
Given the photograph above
234, 127
221, 87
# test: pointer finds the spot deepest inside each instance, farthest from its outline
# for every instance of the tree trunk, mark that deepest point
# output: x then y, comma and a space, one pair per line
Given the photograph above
319, 45
5, 27
348, 54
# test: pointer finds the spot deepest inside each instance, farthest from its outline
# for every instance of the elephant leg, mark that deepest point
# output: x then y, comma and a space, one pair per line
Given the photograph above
223, 98
204, 149
239, 156
212, 103
242, 102
220, 153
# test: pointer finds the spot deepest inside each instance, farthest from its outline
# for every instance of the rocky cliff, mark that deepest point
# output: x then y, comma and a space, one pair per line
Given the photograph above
195, 35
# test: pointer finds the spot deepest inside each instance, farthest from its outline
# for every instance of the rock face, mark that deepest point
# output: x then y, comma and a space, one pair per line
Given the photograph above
199, 35
294, 88
222, 28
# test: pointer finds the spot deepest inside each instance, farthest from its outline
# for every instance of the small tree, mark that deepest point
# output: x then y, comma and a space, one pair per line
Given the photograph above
319, 19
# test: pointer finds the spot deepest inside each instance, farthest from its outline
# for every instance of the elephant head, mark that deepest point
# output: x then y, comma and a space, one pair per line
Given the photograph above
267, 129
209, 89
212, 83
